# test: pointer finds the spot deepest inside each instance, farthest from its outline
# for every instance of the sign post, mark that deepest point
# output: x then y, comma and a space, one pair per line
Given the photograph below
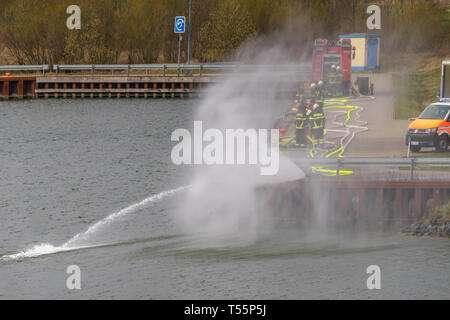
180, 24
189, 38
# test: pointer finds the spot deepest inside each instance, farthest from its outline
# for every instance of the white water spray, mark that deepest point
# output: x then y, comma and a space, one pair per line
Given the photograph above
74, 242
222, 206
113, 216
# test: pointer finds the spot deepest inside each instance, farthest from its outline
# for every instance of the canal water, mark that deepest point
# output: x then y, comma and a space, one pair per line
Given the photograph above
91, 183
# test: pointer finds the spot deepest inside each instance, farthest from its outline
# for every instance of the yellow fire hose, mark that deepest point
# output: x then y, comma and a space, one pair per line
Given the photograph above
341, 149
334, 103
330, 172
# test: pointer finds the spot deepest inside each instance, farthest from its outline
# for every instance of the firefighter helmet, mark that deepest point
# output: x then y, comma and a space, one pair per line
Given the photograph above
338, 68
315, 106
313, 85
333, 66
320, 83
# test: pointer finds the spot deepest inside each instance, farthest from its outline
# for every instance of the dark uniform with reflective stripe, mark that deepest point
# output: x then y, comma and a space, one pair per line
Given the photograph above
301, 98
301, 121
332, 79
317, 120
319, 96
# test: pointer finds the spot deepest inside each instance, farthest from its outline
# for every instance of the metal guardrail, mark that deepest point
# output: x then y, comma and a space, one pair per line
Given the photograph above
179, 67
339, 163
200, 67
43, 68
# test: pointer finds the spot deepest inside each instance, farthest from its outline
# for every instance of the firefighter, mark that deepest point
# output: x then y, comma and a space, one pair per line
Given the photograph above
301, 98
312, 89
319, 94
339, 83
312, 92
302, 92
331, 81
294, 107
301, 102
317, 121
301, 122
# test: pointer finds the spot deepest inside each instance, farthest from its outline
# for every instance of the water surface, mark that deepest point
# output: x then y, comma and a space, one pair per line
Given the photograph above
67, 164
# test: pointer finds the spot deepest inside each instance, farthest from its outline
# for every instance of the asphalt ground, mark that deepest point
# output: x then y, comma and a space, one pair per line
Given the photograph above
385, 136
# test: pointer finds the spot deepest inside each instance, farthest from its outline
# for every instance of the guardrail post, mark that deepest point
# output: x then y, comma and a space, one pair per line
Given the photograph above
413, 160
339, 163
201, 69
57, 69
92, 70
128, 69
164, 70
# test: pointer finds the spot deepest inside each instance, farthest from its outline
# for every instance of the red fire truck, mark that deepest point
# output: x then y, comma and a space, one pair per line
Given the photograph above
326, 53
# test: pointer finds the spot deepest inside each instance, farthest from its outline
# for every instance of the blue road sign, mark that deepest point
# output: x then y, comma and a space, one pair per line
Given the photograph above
180, 23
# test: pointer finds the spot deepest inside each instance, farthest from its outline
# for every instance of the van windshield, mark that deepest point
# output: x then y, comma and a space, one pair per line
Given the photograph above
435, 111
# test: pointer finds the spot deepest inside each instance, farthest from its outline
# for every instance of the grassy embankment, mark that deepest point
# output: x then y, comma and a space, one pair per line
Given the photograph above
439, 217
416, 89
441, 212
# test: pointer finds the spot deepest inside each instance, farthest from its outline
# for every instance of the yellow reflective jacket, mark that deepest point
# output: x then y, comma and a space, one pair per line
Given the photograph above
318, 95
317, 120
300, 121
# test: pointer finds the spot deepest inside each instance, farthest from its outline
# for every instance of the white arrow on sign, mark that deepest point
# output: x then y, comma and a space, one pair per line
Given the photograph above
179, 24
